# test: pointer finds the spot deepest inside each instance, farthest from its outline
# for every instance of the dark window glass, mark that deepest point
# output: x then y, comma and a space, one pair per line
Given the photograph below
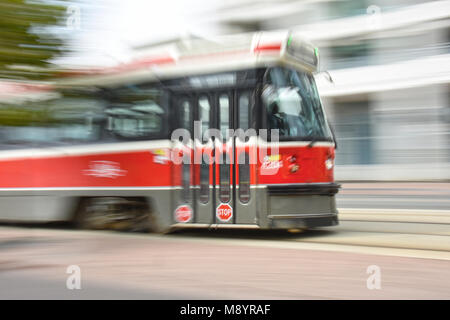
204, 182
244, 103
71, 118
137, 112
244, 177
186, 179
224, 105
184, 112
293, 105
204, 108
224, 178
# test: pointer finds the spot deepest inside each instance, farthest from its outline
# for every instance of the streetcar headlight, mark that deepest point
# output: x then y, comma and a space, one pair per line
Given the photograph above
329, 164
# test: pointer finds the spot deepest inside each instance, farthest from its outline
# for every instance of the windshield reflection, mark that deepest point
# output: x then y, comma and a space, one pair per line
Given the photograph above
293, 105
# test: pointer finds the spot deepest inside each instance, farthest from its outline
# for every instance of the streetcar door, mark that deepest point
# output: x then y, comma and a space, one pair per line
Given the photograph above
224, 211
233, 171
213, 182
203, 156
245, 150
182, 158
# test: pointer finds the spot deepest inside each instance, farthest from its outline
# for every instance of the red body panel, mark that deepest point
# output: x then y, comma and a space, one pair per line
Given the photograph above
309, 161
100, 170
144, 169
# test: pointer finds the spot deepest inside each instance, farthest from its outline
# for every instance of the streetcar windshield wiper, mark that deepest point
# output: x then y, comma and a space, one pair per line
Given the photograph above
313, 141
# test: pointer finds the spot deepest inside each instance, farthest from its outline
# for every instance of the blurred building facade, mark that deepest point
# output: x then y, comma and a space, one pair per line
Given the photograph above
389, 100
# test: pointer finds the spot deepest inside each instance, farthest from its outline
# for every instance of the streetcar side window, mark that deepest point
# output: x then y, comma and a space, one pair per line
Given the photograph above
138, 113
77, 120
132, 123
71, 118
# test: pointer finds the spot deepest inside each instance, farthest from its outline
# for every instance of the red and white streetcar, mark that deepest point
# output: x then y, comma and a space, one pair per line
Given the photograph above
156, 142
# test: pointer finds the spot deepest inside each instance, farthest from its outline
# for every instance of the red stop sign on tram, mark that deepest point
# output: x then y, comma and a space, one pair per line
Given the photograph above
224, 212
183, 213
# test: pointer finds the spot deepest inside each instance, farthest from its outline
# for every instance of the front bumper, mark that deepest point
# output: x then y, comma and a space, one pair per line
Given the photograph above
322, 189
302, 205
308, 220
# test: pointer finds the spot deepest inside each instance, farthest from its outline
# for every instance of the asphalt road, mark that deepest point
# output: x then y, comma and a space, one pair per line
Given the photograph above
414, 262
408, 241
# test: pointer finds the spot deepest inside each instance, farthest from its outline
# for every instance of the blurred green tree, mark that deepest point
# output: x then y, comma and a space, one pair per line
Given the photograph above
29, 38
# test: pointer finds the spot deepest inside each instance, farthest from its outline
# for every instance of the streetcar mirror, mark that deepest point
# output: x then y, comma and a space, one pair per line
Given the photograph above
327, 76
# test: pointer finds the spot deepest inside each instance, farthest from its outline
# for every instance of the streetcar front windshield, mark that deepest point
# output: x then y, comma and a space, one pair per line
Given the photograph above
293, 106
